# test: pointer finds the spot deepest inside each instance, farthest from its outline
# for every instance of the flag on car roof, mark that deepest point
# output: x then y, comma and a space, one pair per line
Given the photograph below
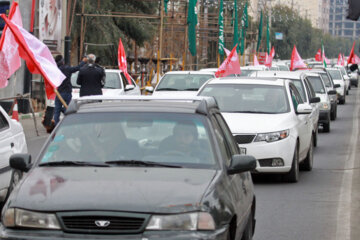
270, 57
351, 56
296, 60
10, 60
340, 60
38, 57
256, 62
231, 65
122, 61
318, 56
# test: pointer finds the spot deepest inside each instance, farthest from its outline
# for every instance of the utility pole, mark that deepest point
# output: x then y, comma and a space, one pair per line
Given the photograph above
160, 39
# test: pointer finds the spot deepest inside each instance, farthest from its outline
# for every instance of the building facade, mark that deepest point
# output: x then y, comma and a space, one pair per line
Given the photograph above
338, 24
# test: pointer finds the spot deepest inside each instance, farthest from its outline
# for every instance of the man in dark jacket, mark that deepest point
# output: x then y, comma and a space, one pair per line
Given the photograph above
91, 78
65, 88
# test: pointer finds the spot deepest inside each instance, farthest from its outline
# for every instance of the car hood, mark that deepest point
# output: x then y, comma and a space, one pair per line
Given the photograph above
243, 123
134, 189
175, 93
323, 97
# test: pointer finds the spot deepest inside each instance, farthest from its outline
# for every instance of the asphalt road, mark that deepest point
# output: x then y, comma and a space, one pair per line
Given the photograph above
324, 204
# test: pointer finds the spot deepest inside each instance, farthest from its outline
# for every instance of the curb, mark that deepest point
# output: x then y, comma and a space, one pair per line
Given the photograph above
30, 116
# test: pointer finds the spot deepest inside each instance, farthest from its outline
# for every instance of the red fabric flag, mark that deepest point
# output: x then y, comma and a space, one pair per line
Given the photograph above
351, 56
340, 60
227, 51
37, 56
256, 62
10, 60
231, 65
272, 53
296, 61
122, 61
318, 56
269, 58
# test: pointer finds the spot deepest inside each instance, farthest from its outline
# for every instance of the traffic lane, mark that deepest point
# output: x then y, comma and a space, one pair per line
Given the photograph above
309, 208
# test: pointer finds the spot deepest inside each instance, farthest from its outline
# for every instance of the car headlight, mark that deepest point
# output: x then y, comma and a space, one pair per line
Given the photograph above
182, 222
14, 217
272, 137
324, 106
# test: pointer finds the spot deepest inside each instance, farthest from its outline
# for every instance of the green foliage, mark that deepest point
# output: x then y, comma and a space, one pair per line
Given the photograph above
108, 30
307, 39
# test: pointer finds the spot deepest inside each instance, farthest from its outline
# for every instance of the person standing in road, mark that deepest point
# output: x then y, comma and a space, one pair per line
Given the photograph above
65, 88
91, 78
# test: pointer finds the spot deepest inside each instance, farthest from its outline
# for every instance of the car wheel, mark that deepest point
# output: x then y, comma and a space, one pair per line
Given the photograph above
342, 101
307, 164
248, 232
293, 175
326, 127
347, 92
333, 114
316, 137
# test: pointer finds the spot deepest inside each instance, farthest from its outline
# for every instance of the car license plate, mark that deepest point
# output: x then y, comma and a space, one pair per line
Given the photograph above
243, 151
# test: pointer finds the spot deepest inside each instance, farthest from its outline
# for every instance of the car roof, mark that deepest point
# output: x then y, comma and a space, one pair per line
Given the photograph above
280, 74
259, 67
248, 80
190, 72
196, 104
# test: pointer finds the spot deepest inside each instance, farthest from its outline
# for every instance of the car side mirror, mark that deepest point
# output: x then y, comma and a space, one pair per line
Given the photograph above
332, 92
129, 87
315, 100
241, 163
304, 108
20, 162
149, 89
337, 85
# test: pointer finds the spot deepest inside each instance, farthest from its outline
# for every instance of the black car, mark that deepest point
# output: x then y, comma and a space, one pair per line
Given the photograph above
134, 168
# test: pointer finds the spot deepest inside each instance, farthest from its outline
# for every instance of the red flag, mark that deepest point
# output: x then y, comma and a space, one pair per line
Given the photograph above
37, 56
10, 60
122, 61
272, 53
296, 61
318, 56
256, 62
340, 60
351, 56
227, 51
231, 65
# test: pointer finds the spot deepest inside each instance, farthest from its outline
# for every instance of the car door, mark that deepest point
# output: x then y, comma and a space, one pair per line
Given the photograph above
304, 124
315, 112
234, 185
6, 147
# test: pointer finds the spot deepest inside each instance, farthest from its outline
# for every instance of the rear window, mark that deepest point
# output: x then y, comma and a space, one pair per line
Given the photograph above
326, 79
317, 84
335, 74
183, 82
112, 80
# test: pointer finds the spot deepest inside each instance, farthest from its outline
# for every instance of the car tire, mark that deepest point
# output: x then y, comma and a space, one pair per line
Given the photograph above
326, 127
342, 101
293, 175
347, 92
333, 114
307, 164
316, 136
248, 232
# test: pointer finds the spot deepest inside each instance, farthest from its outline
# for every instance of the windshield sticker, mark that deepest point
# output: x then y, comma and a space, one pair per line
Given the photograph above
46, 157
59, 138
53, 148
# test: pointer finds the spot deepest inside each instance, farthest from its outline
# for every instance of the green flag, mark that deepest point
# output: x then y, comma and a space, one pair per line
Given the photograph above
244, 26
236, 27
260, 32
165, 5
192, 22
267, 36
221, 28
323, 54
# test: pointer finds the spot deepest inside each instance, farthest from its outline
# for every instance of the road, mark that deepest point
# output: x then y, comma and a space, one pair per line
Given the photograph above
324, 204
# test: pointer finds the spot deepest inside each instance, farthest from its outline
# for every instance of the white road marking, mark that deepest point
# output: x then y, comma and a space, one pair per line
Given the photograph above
343, 224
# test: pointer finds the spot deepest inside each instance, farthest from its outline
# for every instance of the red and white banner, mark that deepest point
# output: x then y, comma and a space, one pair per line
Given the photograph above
10, 60
122, 61
296, 60
37, 56
231, 65
256, 62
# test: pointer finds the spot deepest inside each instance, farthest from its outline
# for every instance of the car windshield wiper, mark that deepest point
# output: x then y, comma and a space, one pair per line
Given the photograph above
191, 89
259, 112
74, 163
167, 89
141, 163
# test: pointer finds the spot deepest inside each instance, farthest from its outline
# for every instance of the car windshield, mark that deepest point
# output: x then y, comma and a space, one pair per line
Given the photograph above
248, 98
246, 73
326, 79
317, 84
183, 82
112, 80
335, 74
283, 68
300, 87
343, 72
99, 138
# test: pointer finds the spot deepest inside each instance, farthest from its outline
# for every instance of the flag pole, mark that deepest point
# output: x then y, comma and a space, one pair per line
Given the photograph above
160, 39
60, 98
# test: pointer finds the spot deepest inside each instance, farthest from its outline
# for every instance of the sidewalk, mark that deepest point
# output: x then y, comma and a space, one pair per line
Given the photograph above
28, 124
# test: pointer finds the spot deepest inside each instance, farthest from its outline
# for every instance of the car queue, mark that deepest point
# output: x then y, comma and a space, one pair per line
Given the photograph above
140, 148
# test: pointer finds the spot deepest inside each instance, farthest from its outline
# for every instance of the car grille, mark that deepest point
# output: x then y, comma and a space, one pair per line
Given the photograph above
105, 224
242, 139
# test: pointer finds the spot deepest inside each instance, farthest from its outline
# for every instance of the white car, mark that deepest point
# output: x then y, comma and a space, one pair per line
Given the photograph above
308, 95
12, 141
338, 79
319, 87
345, 76
248, 70
181, 83
269, 120
116, 84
